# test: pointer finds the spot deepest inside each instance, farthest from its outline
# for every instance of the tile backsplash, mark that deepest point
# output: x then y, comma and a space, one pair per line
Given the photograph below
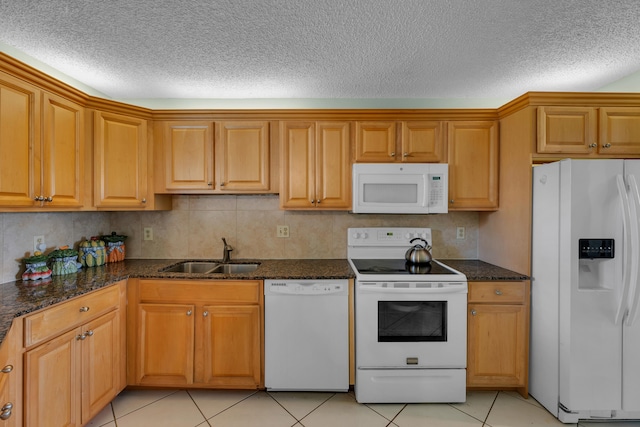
196, 225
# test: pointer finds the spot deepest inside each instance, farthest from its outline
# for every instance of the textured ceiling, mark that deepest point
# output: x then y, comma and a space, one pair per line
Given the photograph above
329, 48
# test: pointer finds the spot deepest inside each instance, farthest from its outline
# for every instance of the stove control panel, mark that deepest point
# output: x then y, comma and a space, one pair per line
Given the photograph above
387, 236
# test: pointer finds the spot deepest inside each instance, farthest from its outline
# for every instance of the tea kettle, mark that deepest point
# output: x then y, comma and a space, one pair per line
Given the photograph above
418, 254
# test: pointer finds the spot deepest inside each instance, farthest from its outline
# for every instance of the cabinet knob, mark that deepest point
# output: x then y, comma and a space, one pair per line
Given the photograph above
81, 337
393, 154
84, 309
405, 154
6, 411
451, 201
473, 312
222, 185
318, 201
89, 333
39, 198
48, 199
189, 313
144, 200
205, 314
7, 369
498, 292
313, 201
593, 145
607, 145
209, 184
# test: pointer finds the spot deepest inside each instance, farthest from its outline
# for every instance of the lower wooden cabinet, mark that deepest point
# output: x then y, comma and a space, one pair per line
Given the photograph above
70, 378
11, 406
197, 333
498, 336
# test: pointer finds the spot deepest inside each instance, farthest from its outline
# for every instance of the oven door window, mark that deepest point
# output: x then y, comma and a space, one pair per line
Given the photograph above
412, 321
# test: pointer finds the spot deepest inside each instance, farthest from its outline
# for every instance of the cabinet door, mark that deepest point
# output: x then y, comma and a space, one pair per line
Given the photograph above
19, 140
232, 345
62, 153
567, 130
619, 130
120, 161
298, 165
102, 363
473, 165
333, 168
375, 142
11, 378
165, 344
52, 382
422, 142
497, 345
188, 151
244, 156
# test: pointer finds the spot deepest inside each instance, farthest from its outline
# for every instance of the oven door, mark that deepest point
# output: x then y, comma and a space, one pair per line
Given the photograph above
402, 327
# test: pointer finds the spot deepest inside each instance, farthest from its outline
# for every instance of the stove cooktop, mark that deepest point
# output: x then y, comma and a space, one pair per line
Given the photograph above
398, 267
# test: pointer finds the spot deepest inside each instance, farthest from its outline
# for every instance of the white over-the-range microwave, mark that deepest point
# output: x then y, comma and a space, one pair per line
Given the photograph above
400, 188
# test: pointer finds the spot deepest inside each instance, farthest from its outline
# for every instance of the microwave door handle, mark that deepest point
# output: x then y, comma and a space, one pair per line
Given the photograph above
634, 292
626, 273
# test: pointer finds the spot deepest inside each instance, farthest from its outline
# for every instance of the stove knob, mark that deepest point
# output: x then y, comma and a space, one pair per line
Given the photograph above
356, 235
365, 235
407, 236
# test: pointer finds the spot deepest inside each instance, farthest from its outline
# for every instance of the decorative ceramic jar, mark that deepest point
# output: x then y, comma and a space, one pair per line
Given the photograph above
92, 253
115, 246
64, 261
36, 268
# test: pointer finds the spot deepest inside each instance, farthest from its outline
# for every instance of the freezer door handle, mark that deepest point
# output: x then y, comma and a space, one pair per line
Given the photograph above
634, 293
626, 274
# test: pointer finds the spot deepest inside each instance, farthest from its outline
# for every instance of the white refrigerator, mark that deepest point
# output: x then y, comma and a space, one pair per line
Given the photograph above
585, 329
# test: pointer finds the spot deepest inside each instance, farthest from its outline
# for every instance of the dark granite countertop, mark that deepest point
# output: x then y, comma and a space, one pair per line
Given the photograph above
19, 298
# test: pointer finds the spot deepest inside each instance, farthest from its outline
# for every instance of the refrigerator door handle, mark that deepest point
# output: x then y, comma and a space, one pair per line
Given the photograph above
634, 294
626, 274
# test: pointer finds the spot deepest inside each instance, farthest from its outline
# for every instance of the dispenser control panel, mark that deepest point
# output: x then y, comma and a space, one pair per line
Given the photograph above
596, 248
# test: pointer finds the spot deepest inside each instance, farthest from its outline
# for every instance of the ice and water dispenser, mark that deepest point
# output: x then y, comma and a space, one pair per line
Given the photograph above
596, 269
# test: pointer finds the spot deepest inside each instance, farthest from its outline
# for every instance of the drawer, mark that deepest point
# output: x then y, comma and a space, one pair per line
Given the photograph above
52, 321
497, 292
190, 291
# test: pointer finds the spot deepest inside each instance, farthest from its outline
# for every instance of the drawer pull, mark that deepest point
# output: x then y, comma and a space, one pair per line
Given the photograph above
89, 333
205, 314
498, 292
6, 411
84, 309
7, 369
81, 337
473, 312
189, 313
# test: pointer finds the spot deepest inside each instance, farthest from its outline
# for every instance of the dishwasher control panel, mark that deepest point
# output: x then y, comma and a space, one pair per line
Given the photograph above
305, 287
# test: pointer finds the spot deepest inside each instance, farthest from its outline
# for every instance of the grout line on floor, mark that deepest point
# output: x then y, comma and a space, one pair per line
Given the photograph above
225, 409
143, 406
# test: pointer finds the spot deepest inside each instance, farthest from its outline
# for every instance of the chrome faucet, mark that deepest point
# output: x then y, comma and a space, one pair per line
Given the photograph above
226, 251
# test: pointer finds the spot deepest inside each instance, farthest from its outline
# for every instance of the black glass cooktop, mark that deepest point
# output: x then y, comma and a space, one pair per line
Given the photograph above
397, 266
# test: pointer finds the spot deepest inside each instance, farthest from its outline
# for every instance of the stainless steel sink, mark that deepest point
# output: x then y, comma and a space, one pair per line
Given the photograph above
235, 268
192, 267
209, 267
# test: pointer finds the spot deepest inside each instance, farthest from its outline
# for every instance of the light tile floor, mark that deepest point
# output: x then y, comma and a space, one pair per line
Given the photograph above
224, 408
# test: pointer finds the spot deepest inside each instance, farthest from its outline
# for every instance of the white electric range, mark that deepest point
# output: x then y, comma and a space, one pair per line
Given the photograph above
410, 321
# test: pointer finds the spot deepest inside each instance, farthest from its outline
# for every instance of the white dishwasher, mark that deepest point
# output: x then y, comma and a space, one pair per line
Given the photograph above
306, 328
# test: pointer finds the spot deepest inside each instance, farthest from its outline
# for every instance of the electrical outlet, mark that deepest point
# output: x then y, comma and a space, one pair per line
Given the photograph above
38, 243
283, 231
460, 233
148, 233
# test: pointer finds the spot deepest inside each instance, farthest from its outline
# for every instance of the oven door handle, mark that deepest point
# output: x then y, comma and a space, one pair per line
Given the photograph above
422, 291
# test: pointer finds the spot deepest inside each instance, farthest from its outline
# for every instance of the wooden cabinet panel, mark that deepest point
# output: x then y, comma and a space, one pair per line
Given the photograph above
498, 335
244, 156
619, 130
567, 130
120, 161
166, 340
19, 141
11, 377
422, 142
188, 291
62, 153
232, 345
189, 156
316, 170
375, 141
473, 165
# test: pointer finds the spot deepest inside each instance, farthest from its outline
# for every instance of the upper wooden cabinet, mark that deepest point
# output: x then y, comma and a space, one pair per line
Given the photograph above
589, 131
316, 167
19, 137
120, 161
473, 165
221, 157
62, 153
41, 148
418, 142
